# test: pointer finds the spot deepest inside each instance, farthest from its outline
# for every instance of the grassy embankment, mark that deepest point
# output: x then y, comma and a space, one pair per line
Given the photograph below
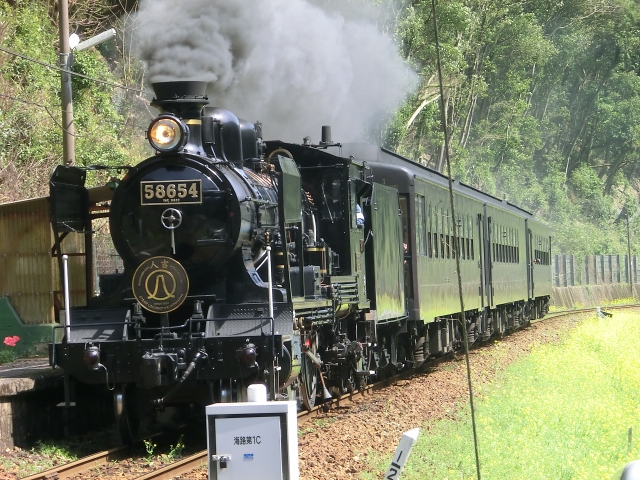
563, 412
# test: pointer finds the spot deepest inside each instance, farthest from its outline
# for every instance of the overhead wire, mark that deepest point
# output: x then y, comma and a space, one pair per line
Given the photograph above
28, 102
55, 120
62, 70
75, 74
456, 243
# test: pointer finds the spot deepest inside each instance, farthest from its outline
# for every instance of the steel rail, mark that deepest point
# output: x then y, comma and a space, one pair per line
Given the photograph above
81, 465
188, 464
561, 313
171, 471
199, 459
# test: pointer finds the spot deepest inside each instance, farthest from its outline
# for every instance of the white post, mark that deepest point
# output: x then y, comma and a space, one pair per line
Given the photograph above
67, 303
272, 321
68, 128
402, 454
269, 280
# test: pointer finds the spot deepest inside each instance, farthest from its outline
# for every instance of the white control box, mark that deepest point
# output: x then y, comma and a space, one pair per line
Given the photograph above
253, 440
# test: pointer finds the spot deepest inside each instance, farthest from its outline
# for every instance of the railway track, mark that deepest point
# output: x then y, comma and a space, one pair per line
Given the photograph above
199, 459
587, 310
81, 465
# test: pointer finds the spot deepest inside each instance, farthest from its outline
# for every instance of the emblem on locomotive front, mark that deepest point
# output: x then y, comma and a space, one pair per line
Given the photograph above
160, 284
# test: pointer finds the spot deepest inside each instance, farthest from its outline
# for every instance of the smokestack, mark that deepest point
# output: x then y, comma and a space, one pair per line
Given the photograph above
326, 135
183, 98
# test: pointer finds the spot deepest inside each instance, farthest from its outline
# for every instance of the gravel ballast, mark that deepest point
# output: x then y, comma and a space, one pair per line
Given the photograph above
338, 444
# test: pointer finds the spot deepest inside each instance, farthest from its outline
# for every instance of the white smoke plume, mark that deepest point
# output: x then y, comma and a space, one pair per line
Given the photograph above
286, 63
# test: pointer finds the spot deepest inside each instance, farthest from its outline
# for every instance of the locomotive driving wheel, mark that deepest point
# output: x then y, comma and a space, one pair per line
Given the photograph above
309, 378
127, 417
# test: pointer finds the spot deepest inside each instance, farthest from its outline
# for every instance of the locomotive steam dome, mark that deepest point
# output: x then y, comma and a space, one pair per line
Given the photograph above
181, 204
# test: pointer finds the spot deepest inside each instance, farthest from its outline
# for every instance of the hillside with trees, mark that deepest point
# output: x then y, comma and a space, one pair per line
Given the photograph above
109, 122
542, 100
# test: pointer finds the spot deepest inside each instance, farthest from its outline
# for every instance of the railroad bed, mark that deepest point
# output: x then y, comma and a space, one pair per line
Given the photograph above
335, 444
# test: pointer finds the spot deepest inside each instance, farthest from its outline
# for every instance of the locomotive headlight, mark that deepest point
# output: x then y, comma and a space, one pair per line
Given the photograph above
167, 133
91, 357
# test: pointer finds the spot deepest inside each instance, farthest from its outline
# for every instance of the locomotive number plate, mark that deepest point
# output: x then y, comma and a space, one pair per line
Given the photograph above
169, 192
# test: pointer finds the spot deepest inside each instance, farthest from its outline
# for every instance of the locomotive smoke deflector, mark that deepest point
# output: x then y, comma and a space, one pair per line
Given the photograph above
180, 124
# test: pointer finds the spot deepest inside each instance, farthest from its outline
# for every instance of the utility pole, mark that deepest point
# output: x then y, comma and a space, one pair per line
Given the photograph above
66, 61
68, 128
631, 269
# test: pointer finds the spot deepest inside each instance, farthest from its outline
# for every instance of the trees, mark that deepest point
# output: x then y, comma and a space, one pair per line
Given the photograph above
30, 128
542, 97
541, 100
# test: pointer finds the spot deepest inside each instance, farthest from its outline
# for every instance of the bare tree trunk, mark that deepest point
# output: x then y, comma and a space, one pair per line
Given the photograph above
428, 98
466, 132
611, 174
585, 117
441, 158
607, 157
472, 97
440, 164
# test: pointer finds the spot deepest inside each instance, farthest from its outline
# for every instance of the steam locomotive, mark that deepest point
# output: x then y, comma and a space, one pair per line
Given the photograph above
310, 268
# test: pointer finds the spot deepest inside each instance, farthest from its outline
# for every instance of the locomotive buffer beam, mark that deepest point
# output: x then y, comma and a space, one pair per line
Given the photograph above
200, 356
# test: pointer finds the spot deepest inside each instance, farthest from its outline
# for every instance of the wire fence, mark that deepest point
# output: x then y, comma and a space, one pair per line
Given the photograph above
105, 257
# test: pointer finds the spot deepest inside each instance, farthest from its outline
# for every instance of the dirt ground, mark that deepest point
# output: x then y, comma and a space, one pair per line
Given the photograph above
336, 445
339, 449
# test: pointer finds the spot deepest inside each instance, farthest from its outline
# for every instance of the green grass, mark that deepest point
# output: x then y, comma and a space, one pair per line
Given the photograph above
48, 455
604, 303
563, 412
6, 355
50, 450
317, 424
620, 301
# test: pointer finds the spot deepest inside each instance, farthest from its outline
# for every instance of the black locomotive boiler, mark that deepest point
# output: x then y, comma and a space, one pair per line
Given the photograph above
308, 268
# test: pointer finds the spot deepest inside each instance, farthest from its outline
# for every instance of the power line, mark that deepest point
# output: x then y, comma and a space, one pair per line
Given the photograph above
55, 120
80, 75
456, 245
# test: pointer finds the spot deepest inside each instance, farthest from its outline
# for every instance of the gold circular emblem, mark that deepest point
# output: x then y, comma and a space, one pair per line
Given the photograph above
160, 284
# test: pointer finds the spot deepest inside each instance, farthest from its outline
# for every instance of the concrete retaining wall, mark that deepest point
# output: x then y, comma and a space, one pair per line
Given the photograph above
591, 295
27, 408
30, 409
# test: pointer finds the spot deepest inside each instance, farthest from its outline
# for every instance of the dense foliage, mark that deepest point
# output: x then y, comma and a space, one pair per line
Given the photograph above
542, 104
541, 98
107, 130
